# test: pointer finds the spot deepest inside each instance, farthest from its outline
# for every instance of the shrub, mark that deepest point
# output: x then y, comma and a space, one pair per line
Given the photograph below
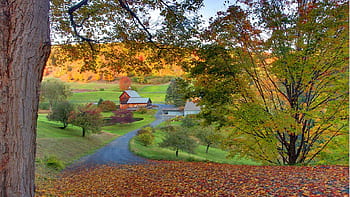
145, 138
141, 110
107, 106
53, 162
122, 116
145, 130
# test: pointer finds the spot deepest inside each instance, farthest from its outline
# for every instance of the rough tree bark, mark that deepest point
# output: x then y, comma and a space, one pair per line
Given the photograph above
24, 49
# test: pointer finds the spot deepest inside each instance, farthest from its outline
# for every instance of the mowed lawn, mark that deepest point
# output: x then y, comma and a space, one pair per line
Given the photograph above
173, 178
93, 92
55, 145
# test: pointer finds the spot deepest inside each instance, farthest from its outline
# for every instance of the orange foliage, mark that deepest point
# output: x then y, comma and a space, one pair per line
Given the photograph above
166, 178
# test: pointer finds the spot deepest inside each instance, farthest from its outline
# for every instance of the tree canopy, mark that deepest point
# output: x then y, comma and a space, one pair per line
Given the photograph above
54, 90
287, 96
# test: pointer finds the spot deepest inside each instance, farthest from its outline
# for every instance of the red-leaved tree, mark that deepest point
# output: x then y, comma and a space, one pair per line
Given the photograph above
124, 83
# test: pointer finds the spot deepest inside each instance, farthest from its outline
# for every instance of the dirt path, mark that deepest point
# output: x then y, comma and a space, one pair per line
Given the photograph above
117, 152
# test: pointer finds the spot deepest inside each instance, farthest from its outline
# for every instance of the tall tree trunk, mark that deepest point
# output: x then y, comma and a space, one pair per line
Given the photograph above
24, 49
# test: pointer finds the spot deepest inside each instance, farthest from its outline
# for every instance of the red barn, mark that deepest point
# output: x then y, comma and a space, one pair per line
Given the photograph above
131, 99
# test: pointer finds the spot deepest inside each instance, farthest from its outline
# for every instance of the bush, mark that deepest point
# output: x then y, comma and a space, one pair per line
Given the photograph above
141, 110
145, 130
53, 162
107, 106
122, 116
145, 138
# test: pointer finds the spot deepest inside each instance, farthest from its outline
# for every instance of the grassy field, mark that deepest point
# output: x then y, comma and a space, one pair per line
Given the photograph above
93, 92
94, 86
94, 97
154, 88
60, 147
154, 152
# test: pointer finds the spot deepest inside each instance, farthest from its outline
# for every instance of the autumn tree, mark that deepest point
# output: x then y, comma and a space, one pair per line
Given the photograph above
291, 93
25, 47
61, 112
145, 136
124, 83
88, 117
54, 90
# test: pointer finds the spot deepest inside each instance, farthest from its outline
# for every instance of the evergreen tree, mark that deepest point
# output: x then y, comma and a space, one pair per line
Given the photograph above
177, 92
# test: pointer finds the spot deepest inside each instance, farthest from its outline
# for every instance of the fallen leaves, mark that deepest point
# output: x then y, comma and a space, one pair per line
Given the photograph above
168, 178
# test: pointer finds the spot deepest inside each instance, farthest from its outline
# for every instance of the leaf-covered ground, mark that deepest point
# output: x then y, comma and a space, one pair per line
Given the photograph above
200, 179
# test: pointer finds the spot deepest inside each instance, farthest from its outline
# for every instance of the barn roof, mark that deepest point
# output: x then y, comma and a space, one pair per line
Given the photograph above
132, 93
191, 106
134, 100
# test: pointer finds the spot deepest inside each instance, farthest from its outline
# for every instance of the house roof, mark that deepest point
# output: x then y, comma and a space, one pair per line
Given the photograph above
191, 106
134, 100
132, 93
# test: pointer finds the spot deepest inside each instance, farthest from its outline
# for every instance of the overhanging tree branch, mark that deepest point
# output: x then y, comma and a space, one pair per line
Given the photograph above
71, 11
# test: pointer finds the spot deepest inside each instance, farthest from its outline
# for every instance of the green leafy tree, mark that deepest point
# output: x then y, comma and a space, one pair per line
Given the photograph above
61, 112
290, 96
54, 90
189, 122
179, 140
208, 136
88, 117
176, 92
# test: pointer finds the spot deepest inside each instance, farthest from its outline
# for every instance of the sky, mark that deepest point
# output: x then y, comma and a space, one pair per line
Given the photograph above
211, 7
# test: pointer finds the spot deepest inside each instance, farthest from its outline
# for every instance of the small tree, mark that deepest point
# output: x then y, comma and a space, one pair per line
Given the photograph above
61, 113
88, 117
124, 83
179, 140
145, 136
107, 105
208, 136
54, 90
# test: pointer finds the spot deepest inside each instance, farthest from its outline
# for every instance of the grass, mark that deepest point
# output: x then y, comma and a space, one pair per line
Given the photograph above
94, 86
155, 152
111, 92
67, 145
154, 88
94, 97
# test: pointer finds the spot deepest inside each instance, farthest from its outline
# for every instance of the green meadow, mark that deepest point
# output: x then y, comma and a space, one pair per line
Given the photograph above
94, 91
